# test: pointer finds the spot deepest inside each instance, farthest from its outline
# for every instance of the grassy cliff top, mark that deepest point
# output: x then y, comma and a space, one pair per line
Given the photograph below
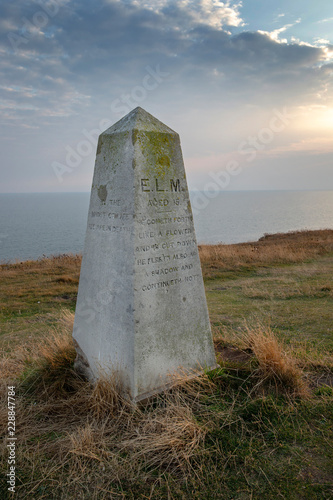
260, 426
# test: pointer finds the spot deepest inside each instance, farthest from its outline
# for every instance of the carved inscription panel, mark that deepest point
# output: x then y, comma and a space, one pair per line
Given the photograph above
165, 237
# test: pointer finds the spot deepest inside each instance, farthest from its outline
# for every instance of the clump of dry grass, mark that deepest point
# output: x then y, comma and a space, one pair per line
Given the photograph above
57, 355
275, 366
168, 436
66, 321
43, 366
55, 350
107, 399
255, 349
87, 441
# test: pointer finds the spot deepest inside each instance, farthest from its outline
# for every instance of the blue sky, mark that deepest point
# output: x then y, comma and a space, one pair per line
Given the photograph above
247, 85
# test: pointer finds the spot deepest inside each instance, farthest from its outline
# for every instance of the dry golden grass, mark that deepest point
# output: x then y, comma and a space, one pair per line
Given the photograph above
271, 249
275, 366
76, 424
169, 436
106, 400
256, 348
49, 358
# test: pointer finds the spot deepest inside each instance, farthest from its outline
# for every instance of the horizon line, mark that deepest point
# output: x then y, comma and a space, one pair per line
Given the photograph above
190, 190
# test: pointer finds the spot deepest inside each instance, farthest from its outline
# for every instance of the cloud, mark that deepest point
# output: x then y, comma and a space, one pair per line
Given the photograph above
313, 146
90, 48
211, 13
321, 42
327, 20
85, 54
275, 34
68, 68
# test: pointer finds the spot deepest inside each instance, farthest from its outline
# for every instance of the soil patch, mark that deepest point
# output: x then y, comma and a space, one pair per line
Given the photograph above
233, 354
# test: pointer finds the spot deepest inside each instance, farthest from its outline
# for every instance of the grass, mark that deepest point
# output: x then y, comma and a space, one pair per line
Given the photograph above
281, 248
260, 426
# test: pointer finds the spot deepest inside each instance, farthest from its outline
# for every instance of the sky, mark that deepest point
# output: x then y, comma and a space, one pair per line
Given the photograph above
248, 85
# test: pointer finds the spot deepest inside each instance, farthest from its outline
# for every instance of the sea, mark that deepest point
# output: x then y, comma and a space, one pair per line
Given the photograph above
33, 225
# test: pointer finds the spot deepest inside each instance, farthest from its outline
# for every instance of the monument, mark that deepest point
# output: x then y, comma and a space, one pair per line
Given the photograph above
141, 307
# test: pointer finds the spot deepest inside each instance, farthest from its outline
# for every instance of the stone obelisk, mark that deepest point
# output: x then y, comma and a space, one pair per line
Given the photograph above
141, 308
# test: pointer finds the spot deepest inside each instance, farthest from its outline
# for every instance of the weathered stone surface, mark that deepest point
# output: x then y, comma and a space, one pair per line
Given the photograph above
141, 307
